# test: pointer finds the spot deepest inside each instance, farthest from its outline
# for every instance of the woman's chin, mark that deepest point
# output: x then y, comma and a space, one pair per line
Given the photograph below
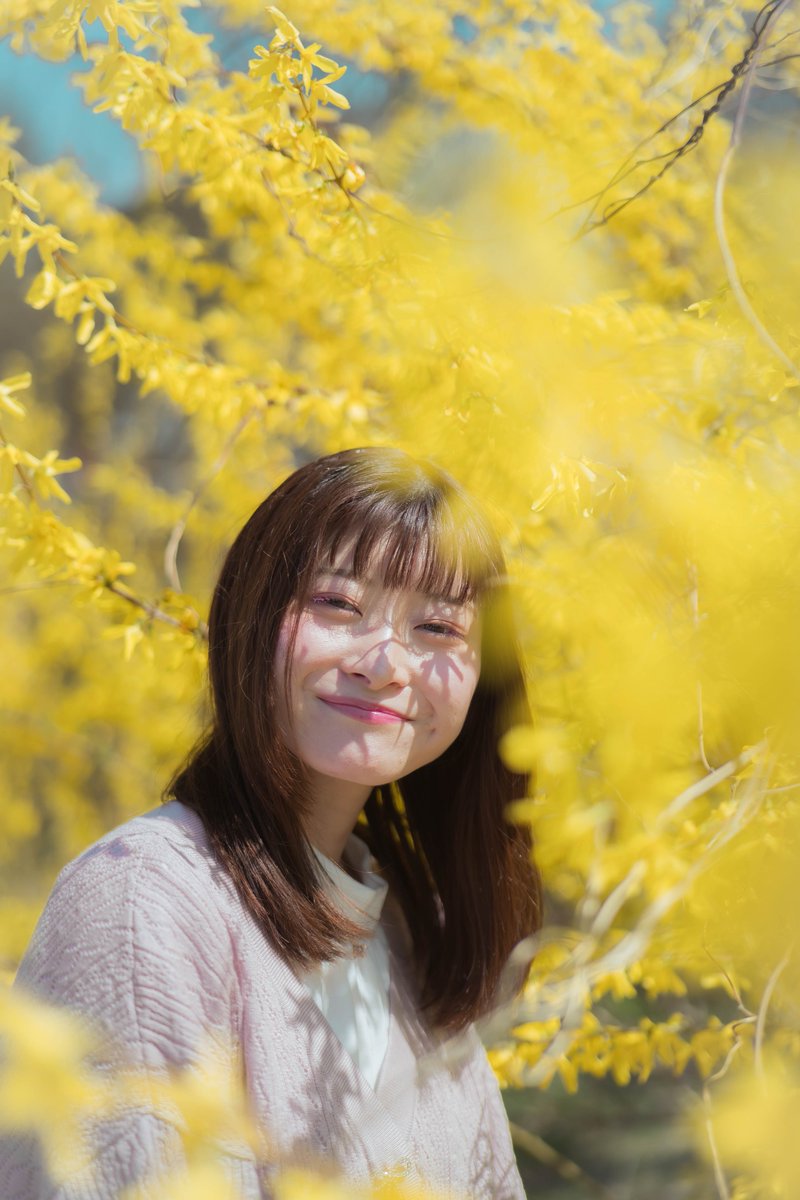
365, 775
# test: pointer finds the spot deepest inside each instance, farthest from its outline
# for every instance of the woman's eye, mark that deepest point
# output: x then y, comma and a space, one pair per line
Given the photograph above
440, 629
337, 603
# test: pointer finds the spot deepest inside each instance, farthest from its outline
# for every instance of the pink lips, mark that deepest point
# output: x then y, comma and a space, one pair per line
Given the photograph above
372, 714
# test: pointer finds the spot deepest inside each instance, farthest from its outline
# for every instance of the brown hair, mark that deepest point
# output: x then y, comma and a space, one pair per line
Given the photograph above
461, 871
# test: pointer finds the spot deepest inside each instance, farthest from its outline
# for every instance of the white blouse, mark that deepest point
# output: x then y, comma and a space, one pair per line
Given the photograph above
352, 992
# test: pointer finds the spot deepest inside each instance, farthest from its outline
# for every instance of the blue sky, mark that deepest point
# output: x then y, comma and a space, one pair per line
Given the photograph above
40, 100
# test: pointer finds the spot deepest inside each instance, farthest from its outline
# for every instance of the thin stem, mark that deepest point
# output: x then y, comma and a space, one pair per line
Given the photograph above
708, 782
179, 528
543, 1152
742, 69
728, 258
152, 610
20, 470
34, 587
761, 1020
694, 600
719, 1174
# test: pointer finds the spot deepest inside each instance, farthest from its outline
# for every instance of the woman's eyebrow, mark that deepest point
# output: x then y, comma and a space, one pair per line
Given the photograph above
346, 572
343, 573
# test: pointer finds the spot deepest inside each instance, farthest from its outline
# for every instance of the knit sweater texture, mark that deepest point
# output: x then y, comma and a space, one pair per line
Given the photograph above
144, 936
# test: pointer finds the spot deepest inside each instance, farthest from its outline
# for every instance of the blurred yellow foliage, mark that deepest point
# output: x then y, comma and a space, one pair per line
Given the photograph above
448, 283
45, 1085
754, 1132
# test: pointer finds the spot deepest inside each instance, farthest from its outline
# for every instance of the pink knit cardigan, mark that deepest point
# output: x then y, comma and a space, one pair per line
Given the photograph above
145, 934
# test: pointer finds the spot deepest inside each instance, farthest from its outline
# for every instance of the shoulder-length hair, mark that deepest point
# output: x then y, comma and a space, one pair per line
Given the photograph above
462, 872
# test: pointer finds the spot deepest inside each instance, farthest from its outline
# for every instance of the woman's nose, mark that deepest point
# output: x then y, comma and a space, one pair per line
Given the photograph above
383, 662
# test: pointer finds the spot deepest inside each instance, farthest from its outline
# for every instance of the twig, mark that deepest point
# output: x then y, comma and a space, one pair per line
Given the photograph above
563, 997
719, 1174
566, 1168
34, 587
291, 228
708, 782
617, 897
761, 1020
748, 1018
741, 69
701, 53
694, 600
20, 470
734, 1050
731, 984
631, 164
111, 310
179, 528
745, 809
728, 259
589, 904
152, 610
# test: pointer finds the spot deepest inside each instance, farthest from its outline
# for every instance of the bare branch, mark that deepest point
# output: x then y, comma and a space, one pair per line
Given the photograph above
20, 471
563, 995
35, 587
153, 611
179, 528
731, 984
694, 600
728, 258
742, 69
708, 782
763, 1008
543, 1152
719, 1174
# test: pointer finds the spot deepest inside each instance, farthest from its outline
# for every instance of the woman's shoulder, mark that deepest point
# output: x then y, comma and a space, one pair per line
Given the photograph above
133, 939
148, 888
172, 823
167, 844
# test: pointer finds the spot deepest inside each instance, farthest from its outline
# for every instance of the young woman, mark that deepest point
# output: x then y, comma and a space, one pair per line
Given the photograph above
332, 889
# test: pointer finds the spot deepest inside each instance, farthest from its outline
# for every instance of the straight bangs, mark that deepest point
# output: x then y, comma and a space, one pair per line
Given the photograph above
427, 541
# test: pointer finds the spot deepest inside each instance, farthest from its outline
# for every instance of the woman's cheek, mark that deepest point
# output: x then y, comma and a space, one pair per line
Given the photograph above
456, 699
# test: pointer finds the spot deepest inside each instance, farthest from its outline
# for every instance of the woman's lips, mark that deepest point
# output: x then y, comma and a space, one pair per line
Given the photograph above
371, 714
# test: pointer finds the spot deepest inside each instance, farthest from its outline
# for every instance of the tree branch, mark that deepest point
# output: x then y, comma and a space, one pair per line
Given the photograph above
566, 1168
764, 18
153, 611
179, 528
728, 258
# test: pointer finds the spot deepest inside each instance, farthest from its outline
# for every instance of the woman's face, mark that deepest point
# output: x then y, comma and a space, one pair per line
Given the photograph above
380, 679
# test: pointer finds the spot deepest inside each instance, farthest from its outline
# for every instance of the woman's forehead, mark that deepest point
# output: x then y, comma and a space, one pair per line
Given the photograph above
420, 570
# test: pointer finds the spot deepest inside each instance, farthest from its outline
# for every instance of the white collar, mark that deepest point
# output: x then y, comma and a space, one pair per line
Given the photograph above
359, 901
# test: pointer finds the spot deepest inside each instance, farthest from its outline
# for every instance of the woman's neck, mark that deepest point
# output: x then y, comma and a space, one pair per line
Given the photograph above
335, 806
